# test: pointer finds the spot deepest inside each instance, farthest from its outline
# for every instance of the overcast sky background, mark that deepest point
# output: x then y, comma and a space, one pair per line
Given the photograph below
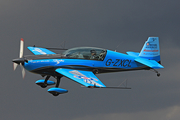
99, 23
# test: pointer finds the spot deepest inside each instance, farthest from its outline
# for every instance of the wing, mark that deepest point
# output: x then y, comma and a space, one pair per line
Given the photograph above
149, 63
86, 78
40, 51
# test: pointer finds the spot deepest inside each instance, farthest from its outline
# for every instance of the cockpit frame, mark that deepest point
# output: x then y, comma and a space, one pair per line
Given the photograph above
88, 53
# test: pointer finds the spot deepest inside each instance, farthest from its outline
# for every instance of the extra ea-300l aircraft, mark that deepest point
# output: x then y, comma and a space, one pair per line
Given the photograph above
82, 63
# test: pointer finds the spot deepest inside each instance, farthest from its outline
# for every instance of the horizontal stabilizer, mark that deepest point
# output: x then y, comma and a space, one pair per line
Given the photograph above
40, 51
134, 54
149, 63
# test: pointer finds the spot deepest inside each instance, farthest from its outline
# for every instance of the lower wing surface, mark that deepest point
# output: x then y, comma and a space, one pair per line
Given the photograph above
86, 78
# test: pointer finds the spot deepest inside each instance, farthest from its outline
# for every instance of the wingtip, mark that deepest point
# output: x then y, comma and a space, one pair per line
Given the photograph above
22, 39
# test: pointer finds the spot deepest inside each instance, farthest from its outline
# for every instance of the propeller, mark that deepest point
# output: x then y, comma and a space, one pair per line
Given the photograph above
20, 61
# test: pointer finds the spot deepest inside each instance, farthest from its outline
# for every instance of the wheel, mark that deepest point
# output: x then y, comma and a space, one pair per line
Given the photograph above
44, 85
158, 74
55, 94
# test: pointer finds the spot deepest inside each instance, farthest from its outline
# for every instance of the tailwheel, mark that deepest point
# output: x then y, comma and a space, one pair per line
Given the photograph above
158, 74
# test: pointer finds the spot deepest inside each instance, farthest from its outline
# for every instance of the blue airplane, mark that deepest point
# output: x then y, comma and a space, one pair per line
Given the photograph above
82, 63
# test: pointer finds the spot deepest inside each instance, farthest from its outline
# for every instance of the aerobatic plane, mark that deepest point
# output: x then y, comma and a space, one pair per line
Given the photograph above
81, 64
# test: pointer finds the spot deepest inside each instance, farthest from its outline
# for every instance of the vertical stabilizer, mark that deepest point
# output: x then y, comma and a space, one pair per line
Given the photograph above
151, 49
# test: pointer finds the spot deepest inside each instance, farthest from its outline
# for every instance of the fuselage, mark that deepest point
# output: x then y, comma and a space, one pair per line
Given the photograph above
111, 61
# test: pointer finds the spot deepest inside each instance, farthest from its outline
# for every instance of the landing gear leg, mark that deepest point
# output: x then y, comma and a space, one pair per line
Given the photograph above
57, 85
158, 74
58, 81
56, 90
45, 82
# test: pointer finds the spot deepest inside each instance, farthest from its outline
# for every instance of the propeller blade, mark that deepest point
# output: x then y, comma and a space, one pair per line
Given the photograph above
23, 71
15, 65
20, 61
21, 48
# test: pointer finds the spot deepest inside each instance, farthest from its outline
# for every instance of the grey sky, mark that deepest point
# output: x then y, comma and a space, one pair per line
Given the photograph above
99, 23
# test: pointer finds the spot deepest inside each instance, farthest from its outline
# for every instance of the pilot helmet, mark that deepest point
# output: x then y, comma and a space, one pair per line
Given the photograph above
93, 51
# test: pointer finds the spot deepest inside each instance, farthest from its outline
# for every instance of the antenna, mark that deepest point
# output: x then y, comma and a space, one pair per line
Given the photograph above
118, 45
62, 46
116, 48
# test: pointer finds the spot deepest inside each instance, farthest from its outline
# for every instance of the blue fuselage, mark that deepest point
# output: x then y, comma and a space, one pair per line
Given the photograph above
112, 62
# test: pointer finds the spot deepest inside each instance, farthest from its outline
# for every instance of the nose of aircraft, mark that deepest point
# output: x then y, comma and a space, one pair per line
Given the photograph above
19, 60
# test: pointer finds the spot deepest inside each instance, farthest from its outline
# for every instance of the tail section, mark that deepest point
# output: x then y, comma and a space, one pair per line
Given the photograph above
151, 49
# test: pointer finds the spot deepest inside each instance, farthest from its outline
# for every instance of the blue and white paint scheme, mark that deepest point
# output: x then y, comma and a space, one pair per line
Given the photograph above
82, 63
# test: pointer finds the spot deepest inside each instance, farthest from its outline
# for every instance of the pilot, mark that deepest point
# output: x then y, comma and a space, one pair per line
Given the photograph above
93, 55
79, 55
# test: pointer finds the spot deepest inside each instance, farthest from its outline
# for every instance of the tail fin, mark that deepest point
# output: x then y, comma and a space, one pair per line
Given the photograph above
151, 49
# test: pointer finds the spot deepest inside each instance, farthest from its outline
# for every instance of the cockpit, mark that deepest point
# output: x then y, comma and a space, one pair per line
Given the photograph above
89, 53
